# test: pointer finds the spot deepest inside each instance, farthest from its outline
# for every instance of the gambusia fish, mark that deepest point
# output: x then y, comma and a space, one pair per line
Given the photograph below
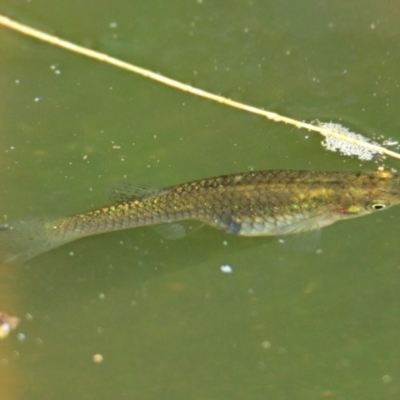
262, 203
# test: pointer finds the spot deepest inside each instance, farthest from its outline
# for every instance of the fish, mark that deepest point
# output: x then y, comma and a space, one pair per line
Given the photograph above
254, 203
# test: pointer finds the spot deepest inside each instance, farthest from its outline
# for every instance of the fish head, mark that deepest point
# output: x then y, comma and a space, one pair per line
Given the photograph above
369, 193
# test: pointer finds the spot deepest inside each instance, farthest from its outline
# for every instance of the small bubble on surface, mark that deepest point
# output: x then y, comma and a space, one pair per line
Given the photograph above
266, 344
387, 378
226, 269
98, 358
21, 337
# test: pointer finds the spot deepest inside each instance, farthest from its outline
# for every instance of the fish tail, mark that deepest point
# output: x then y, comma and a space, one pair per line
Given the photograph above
24, 239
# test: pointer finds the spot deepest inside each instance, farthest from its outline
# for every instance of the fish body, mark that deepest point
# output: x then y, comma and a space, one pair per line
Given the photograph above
261, 203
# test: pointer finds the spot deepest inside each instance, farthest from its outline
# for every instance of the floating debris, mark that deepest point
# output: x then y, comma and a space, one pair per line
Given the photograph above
226, 269
390, 142
7, 324
98, 358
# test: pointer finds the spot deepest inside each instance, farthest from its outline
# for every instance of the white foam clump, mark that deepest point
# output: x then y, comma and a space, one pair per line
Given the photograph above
348, 149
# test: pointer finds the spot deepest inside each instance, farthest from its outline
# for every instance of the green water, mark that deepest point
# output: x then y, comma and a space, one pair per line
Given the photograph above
286, 324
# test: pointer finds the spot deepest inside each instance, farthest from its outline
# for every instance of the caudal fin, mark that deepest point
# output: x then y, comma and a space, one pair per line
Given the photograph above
25, 239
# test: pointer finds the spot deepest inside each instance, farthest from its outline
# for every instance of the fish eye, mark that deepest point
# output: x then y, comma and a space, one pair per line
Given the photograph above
379, 206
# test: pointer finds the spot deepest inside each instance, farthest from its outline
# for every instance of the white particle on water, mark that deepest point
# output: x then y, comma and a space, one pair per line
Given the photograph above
390, 142
98, 358
266, 344
226, 269
21, 337
5, 329
387, 378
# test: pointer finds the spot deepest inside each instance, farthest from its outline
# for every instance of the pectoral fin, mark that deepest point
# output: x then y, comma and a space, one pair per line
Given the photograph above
304, 225
173, 231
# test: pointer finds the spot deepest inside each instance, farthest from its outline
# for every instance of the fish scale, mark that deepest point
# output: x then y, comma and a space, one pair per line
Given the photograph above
260, 203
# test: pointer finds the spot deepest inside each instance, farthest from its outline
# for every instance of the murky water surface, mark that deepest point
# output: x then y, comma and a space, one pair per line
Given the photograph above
131, 316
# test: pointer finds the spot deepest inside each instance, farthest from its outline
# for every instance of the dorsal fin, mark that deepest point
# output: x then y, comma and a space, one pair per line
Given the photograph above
127, 192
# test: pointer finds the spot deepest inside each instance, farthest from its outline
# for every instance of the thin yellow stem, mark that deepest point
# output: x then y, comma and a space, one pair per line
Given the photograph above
5, 21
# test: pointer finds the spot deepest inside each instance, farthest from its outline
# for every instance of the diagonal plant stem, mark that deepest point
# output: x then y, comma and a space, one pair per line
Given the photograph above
9, 23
